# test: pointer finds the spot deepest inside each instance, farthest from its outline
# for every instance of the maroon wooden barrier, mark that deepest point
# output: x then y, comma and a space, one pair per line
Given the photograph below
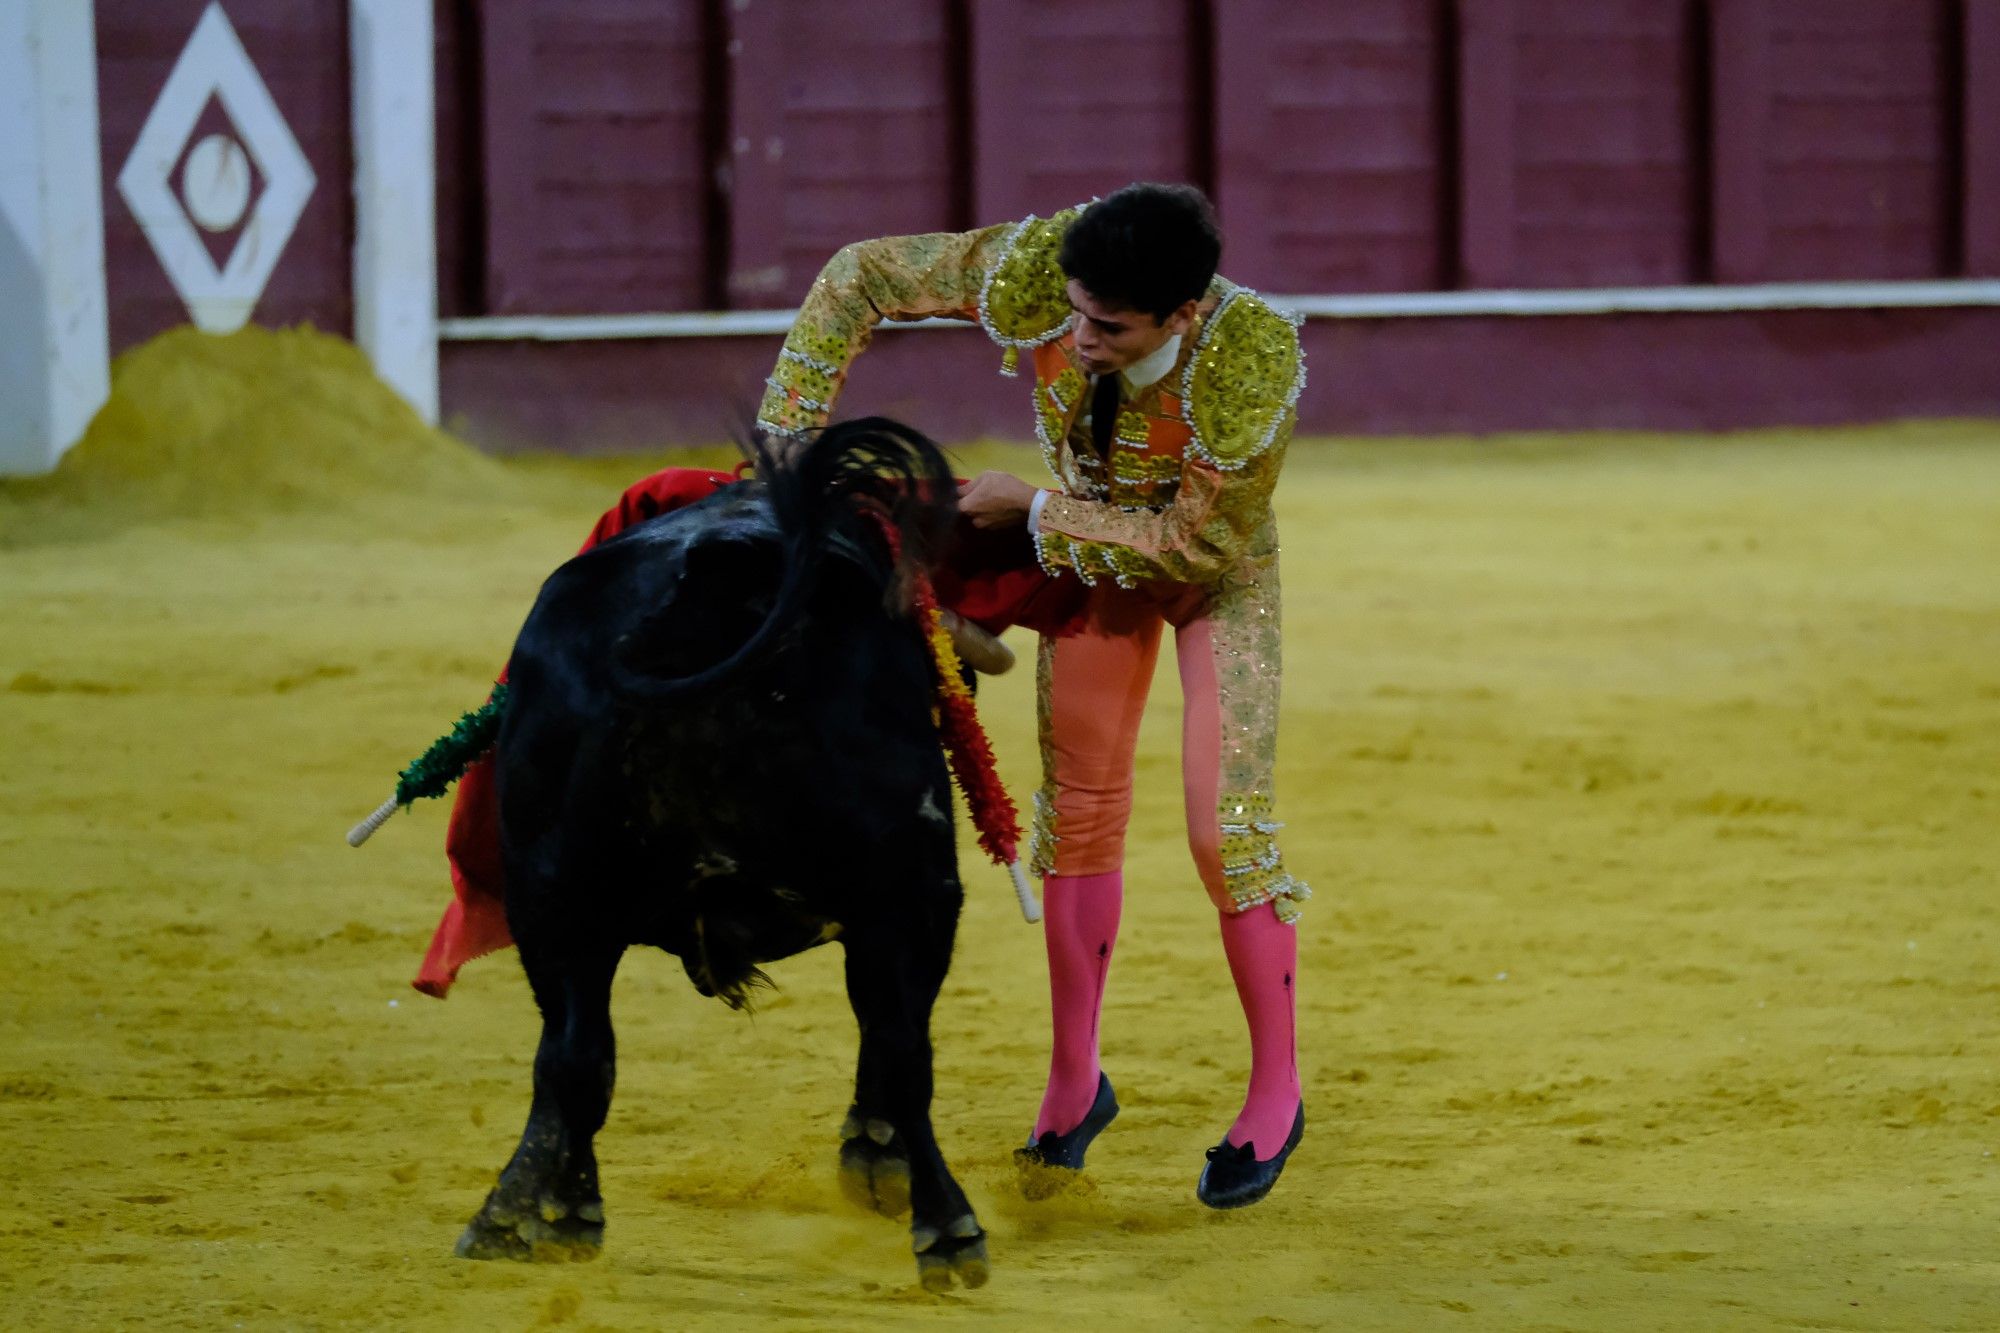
753, 170
1486, 142
1390, 376
1739, 122
1861, 165
1249, 148
847, 121
595, 157
461, 217
671, 154
1606, 162
1980, 221
1074, 100
1328, 121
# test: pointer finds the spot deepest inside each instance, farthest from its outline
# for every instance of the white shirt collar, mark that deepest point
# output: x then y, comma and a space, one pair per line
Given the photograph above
1152, 368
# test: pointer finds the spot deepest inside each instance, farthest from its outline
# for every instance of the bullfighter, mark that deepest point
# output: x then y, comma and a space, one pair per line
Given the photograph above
1164, 398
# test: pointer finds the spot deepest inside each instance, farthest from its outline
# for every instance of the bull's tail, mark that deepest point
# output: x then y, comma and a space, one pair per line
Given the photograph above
873, 461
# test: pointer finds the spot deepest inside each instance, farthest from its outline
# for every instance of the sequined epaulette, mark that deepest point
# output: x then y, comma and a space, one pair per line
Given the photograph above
1243, 380
1025, 301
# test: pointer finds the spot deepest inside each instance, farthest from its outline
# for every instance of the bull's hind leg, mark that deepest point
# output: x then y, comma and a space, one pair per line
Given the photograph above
874, 1155
894, 970
546, 1204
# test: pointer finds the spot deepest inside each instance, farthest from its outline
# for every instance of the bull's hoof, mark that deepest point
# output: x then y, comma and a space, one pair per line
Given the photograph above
554, 1232
875, 1169
960, 1252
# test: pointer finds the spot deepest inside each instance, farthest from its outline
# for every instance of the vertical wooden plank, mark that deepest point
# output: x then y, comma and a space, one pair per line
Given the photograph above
461, 274
1739, 125
754, 138
1241, 78
1002, 98
958, 95
507, 153
1358, 131
1604, 155
1981, 166
1486, 39
870, 133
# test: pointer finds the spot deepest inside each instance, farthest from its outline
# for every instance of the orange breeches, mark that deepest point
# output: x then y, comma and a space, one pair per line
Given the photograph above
1092, 689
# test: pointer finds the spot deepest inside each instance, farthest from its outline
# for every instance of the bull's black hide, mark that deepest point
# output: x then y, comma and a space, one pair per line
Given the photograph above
719, 741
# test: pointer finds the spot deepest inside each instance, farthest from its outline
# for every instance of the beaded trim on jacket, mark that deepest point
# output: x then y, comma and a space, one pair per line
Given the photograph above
1028, 316
1238, 386
1227, 386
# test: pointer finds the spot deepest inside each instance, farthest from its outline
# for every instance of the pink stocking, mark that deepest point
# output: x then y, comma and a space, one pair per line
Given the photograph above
1264, 959
1079, 925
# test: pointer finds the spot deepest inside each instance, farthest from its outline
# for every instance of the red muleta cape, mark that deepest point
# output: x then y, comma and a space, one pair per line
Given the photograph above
990, 578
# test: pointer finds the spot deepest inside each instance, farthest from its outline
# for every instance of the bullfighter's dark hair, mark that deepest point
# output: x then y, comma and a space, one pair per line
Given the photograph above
1147, 247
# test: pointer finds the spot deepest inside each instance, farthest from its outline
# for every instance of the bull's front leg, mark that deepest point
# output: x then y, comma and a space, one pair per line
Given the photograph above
874, 1160
894, 970
546, 1204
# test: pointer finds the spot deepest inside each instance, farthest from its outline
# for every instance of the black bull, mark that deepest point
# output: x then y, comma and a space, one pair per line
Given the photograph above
720, 741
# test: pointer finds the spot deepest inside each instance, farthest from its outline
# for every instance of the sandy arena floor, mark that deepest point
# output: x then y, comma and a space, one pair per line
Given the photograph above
1649, 788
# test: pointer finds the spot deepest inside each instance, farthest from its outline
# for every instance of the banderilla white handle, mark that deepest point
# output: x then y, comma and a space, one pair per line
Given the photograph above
1031, 911
365, 830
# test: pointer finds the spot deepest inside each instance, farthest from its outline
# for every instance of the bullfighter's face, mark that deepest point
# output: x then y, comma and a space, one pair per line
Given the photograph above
1110, 338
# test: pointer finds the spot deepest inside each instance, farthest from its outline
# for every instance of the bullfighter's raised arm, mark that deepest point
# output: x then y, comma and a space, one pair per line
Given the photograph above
935, 275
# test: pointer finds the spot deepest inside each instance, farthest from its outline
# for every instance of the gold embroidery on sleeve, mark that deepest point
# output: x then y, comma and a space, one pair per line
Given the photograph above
896, 277
1024, 301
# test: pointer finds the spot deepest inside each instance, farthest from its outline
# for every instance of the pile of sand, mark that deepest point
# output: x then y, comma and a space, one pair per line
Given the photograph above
257, 422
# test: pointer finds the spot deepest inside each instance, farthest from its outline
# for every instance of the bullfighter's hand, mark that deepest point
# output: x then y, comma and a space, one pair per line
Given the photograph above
996, 500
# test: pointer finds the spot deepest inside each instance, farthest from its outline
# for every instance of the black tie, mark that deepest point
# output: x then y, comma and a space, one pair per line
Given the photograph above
1104, 404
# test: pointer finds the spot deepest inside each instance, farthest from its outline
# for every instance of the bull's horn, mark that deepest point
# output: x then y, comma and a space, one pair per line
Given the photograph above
981, 651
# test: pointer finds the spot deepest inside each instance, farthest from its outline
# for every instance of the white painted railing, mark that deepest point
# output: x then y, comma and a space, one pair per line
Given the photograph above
1384, 305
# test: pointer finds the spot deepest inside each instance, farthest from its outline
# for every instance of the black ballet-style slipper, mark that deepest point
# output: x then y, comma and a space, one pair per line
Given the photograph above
1234, 1178
1064, 1152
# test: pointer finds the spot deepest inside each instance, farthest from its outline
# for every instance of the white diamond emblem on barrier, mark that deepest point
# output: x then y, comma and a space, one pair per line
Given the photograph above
214, 64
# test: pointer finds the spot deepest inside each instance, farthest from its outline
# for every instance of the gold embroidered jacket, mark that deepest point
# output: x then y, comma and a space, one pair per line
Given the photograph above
1186, 492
